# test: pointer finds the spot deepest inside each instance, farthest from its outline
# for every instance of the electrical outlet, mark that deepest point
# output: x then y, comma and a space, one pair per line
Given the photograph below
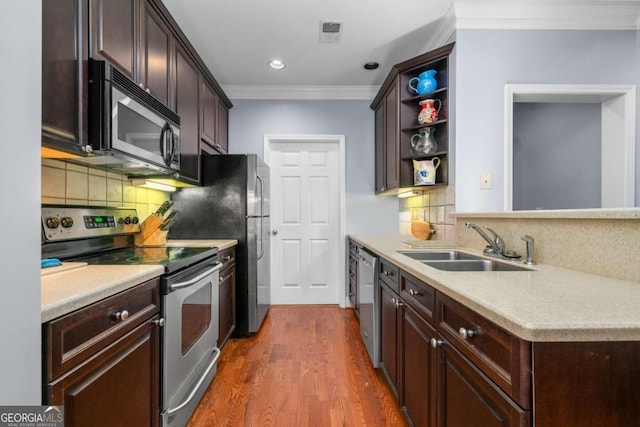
485, 181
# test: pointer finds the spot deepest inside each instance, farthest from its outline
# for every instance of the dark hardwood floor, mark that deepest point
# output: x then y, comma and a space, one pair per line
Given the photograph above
306, 367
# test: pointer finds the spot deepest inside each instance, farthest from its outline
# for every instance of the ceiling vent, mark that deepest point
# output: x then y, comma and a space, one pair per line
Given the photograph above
330, 31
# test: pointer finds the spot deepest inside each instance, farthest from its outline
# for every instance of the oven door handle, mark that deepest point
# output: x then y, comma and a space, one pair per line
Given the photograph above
196, 279
173, 411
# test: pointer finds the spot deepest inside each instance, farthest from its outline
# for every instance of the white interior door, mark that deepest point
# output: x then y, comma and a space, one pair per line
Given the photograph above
305, 222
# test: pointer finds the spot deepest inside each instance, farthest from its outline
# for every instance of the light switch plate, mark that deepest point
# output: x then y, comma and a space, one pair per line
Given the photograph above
485, 181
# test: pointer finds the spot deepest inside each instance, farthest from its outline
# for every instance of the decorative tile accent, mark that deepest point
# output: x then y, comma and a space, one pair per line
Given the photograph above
114, 190
436, 206
77, 185
98, 188
69, 183
53, 182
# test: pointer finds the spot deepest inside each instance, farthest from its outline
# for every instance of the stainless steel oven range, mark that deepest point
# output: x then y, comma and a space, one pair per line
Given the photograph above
189, 308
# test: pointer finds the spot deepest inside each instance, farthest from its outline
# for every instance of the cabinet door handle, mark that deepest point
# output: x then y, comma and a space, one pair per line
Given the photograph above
435, 343
414, 293
121, 315
467, 333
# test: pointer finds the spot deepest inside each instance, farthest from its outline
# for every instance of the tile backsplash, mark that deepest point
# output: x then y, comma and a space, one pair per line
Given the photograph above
434, 206
67, 183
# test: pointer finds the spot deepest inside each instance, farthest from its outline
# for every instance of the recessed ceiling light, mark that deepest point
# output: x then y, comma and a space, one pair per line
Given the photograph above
276, 64
371, 65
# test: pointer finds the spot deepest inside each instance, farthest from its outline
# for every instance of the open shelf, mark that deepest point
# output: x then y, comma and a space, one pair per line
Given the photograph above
417, 156
417, 98
397, 108
426, 125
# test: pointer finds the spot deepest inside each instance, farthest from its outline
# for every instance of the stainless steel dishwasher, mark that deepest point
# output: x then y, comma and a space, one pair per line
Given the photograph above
368, 304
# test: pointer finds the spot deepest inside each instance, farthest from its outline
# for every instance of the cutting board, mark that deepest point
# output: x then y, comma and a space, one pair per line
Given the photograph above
422, 230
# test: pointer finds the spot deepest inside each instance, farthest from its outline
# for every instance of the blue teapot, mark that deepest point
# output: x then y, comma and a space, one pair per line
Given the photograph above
426, 82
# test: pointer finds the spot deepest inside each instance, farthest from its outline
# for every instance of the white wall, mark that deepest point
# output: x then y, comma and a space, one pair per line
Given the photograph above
20, 85
250, 120
488, 59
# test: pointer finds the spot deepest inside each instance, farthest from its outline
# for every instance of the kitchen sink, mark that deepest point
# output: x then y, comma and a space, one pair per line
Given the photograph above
439, 255
460, 261
473, 265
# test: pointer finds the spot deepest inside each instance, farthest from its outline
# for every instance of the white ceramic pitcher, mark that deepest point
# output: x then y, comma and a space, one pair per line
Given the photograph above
424, 171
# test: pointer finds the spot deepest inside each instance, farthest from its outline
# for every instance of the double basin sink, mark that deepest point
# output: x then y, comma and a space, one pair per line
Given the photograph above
460, 261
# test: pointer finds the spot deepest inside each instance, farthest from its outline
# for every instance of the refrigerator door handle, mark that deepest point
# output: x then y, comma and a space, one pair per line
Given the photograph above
261, 253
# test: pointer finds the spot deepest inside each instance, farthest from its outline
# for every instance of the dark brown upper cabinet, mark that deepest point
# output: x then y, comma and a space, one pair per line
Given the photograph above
208, 110
155, 54
186, 97
222, 126
141, 39
215, 120
396, 122
64, 82
114, 33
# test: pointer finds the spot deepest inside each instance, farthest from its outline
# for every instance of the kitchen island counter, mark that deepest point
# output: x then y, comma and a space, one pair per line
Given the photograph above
545, 304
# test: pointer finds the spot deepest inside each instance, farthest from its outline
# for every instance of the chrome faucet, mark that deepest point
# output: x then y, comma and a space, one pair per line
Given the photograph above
496, 244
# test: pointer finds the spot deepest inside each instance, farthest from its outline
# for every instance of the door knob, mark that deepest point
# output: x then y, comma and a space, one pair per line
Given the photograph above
274, 232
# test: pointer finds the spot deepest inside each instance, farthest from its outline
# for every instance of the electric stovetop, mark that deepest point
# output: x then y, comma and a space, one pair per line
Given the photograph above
172, 258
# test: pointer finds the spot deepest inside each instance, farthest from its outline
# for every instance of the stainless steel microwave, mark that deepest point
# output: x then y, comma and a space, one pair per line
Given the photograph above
129, 129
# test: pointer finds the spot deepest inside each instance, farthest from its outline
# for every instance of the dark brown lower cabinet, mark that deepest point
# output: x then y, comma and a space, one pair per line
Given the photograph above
418, 369
448, 366
587, 384
468, 398
102, 362
227, 304
227, 295
389, 326
119, 387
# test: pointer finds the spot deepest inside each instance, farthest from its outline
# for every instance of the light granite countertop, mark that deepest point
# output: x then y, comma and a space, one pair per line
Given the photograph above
67, 291
74, 285
545, 304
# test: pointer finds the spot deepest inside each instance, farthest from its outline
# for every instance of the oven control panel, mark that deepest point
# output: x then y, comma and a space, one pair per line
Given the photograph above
74, 222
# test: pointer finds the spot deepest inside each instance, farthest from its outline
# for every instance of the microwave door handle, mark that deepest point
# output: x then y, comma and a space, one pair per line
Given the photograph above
174, 151
163, 142
172, 143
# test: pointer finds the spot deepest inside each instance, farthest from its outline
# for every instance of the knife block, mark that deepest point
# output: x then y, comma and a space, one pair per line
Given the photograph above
150, 233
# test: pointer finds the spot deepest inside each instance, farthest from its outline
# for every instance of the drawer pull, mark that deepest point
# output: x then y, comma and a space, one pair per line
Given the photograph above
396, 302
227, 258
158, 322
414, 293
436, 343
121, 315
467, 333
387, 273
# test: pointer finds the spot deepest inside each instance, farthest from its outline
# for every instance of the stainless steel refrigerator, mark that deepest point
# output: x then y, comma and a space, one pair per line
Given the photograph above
233, 203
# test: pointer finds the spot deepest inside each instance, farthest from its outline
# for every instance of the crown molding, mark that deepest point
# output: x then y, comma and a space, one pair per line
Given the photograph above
443, 33
548, 15
329, 92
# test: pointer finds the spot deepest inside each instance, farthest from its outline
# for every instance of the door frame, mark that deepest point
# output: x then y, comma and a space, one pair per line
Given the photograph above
269, 139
